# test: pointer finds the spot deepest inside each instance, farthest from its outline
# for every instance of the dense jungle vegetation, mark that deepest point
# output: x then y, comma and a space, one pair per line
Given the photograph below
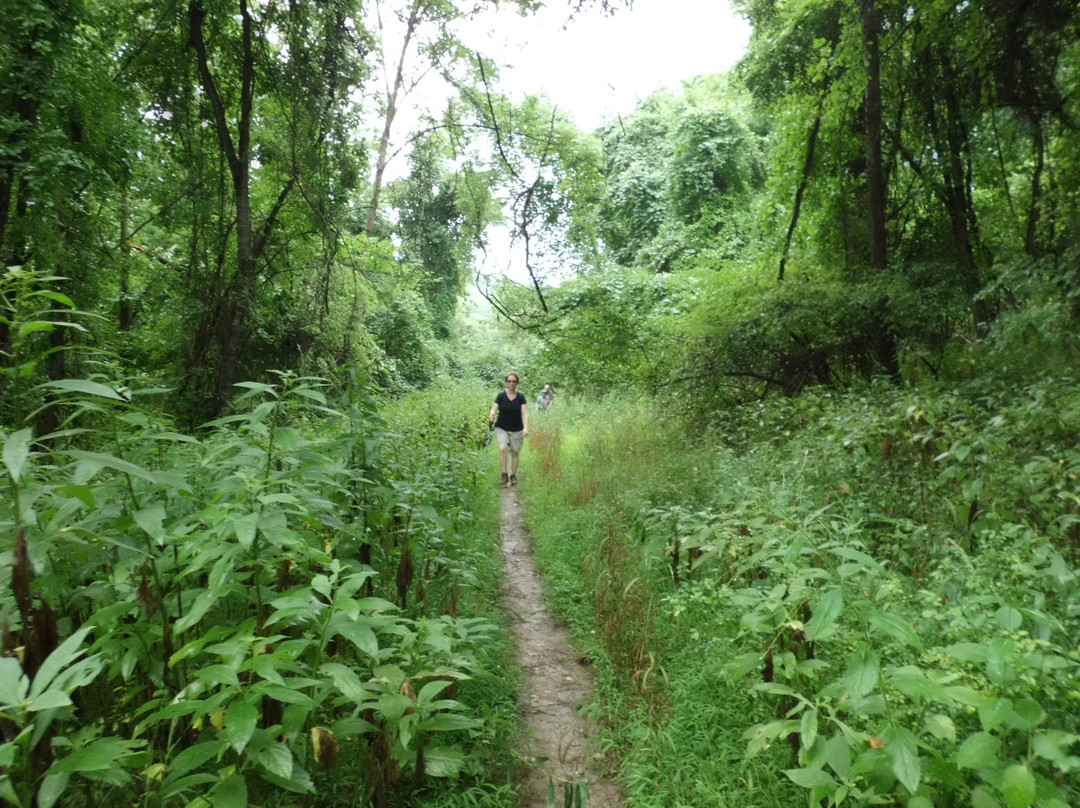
808, 494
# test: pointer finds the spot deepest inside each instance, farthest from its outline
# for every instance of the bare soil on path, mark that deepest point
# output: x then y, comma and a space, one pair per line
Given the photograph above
557, 679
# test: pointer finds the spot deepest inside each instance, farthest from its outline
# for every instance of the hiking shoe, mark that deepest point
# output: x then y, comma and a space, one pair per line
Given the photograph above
505, 478
513, 479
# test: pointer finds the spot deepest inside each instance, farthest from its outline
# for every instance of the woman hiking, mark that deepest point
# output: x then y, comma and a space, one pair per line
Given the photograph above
511, 427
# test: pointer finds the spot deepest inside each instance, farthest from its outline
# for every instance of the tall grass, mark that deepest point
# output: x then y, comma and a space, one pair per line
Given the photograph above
432, 425
593, 470
766, 601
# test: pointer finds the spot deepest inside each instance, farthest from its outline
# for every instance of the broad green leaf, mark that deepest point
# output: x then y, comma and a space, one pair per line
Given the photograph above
196, 613
808, 727
377, 605
941, 726
394, 705
86, 386
851, 554
192, 758
262, 411
269, 667
289, 693
16, 452
34, 326
391, 675
99, 460
66, 653
321, 584
276, 759
895, 627
995, 713
274, 527
244, 526
968, 652
1053, 744
49, 700
7, 791
965, 695
838, 755
447, 722
1042, 618
982, 798
78, 674
903, 751
359, 635
1018, 786
150, 519
240, 721
351, 585
999, 669
920, 801
188, 783
58, 297
911, 681
255, 388
348, 727
978, 751
51, 789
83, 493
230, 793
299, 782
95, 756
443, 761
811, 778
1030, 713
742, 665
826, 612
217, 675
345, 680
308, 392
432, 689
13, 682
862, 672
1009, 618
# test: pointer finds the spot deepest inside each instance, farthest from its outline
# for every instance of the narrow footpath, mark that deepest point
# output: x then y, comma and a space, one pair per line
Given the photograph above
557, 679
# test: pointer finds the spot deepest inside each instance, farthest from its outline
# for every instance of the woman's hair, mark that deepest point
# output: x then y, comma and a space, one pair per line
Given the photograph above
514, 375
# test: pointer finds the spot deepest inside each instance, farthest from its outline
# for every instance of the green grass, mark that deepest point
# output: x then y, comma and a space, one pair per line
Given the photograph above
677, 730
961, 494
459, 415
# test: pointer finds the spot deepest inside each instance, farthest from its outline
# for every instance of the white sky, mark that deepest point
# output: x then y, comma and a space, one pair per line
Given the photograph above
599, 66
594, 67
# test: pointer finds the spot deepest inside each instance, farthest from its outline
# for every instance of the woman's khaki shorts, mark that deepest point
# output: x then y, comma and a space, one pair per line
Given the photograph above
515, 440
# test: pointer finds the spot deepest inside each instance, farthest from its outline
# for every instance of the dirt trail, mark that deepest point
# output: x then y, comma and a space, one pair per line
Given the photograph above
556, 678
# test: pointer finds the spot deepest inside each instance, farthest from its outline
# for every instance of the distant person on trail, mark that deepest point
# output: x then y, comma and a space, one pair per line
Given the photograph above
546, 398
511, 426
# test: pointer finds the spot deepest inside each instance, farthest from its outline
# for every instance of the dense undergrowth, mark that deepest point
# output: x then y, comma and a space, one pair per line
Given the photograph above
292, 606
869, 596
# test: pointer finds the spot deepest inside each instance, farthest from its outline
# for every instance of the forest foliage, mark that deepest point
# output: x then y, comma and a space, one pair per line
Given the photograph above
244, 555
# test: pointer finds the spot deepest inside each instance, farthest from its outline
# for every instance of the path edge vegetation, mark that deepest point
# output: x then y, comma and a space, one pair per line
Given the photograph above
296, 605
866, 595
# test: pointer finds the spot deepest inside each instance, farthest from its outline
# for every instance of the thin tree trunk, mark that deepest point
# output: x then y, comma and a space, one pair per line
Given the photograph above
808, 165
241, 293
125, 267
391, 112
1031, 246
875, 171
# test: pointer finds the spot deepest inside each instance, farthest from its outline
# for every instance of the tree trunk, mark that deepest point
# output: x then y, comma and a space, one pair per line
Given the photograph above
391, 111
1031, 246
241, 292
808, 166
875, 170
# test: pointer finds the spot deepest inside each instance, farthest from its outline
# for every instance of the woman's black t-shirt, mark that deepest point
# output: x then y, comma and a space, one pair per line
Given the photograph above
510, 411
